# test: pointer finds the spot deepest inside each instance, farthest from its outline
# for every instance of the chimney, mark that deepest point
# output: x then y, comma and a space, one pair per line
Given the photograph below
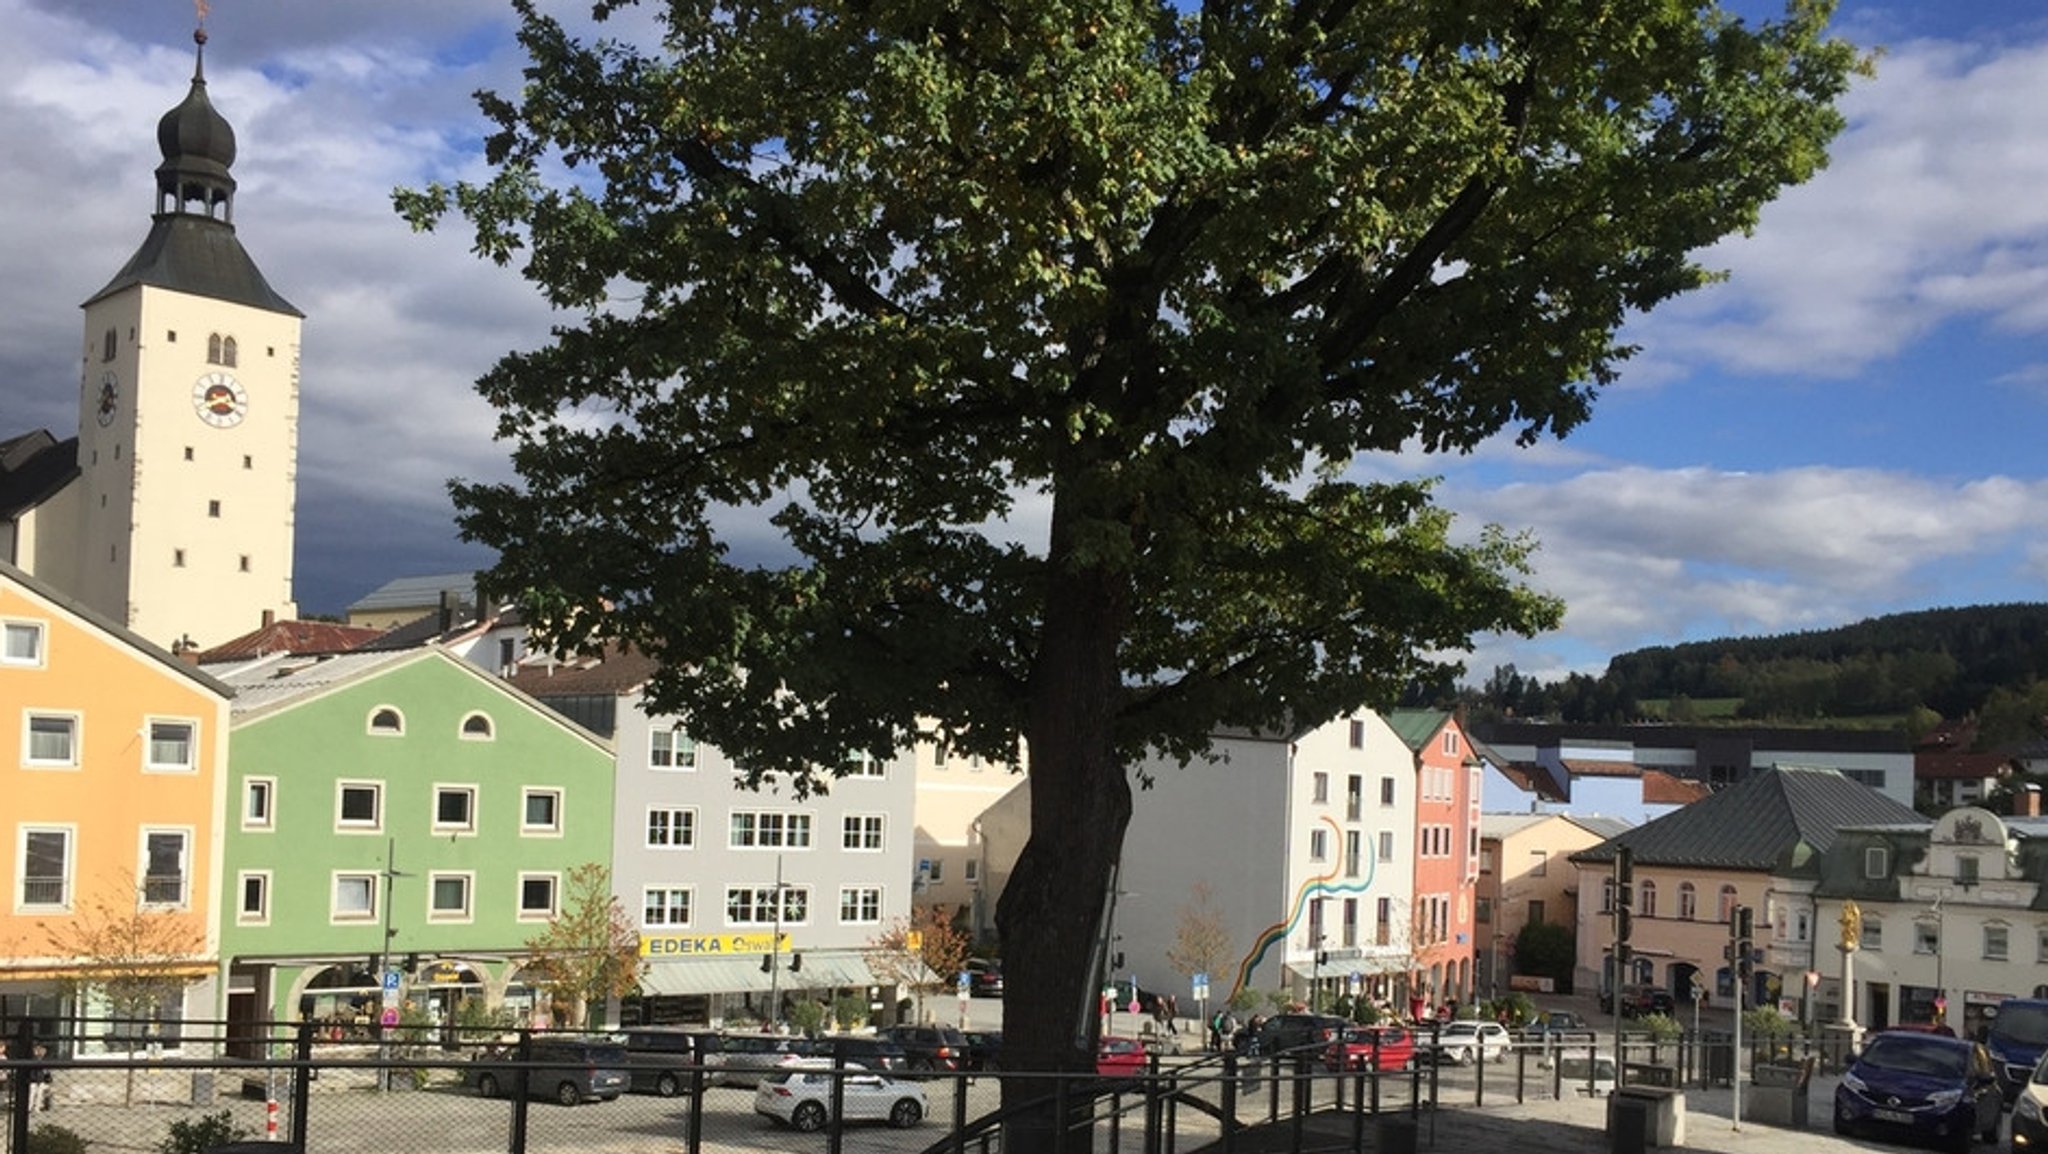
2030, 801
269, 618
447, 610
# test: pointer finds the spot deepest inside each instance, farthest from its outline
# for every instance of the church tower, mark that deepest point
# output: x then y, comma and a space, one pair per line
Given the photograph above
188, 410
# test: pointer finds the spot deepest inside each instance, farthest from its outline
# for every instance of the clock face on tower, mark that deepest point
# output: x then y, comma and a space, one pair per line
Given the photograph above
219, 400
110, 397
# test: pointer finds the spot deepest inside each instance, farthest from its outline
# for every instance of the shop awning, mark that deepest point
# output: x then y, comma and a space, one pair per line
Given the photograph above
744, 974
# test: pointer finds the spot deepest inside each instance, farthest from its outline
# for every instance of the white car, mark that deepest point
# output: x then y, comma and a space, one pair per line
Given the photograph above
800, 1096
1464, 1041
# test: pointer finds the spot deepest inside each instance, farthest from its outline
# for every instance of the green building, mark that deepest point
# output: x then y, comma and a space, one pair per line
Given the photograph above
396, 812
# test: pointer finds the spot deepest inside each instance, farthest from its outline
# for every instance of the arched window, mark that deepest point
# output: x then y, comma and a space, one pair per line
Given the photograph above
477, 727
387, 720
1726, 907
1646, 903
227, 351
1688, 902
213, 349
220, 350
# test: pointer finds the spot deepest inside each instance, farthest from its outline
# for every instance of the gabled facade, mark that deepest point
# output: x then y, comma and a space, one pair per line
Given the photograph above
1757, 843
1447, 808
1526, 877
1953, 918
401, 811
1302, 848
115, 754
713, 870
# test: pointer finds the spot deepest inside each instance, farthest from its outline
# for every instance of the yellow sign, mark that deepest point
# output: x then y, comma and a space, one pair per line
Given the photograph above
709, 945
913, 940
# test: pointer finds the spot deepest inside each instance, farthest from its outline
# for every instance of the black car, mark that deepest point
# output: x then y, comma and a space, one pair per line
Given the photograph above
661, 1058
1638, 1001
882, 1055
929, 1048
984, 1050
984, 978
1289, 1033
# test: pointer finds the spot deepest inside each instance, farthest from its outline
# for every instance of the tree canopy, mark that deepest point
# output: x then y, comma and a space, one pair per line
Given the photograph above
1048, 338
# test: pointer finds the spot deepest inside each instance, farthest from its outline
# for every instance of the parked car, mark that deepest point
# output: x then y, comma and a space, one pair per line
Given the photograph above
1593, 1076
984, 1049
1638, 1001
743, 1059
1371, 1048
569, 1070
1556, 1022
661, 1059
881, 1054
984, 977
1120, 1058
1291, 1033
2017, 1039
932, 1049
1921, 1086
1125, 992
2030, 1112
800, 1096
1463, 1042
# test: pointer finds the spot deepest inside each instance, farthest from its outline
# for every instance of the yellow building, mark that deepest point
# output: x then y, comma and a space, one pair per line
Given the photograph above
115, 755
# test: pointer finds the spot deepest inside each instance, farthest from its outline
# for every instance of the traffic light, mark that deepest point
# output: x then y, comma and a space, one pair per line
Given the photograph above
1624, 892
796, 962
1745, 946
767, 963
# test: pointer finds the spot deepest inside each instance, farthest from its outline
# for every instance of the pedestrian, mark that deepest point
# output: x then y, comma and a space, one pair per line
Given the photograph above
1172, 1014
39, 1088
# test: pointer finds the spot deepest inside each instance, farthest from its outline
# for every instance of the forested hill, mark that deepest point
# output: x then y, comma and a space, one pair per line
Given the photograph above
1988, 659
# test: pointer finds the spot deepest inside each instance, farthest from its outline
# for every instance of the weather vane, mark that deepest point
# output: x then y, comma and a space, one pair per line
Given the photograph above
201, 7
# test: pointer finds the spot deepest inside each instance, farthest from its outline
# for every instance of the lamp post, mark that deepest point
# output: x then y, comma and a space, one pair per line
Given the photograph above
390, 995
1940, 947
1315, 981
775, 952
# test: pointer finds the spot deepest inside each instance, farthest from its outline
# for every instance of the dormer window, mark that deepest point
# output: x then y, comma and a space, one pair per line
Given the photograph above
1966, 869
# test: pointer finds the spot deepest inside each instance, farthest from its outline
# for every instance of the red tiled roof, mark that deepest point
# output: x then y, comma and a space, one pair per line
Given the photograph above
295, 637
1580, 767
1944, 766
1660, 788
618, 670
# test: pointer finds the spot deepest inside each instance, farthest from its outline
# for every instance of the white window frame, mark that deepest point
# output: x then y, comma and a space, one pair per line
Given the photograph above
680, 817
2003, 934
857, 896
462, 916
760, 909
370, 721
488, 733
519, 910
1876, 862
1319, 844
70, 869
357, 825
149, 762
681, 752
1873, 936
668, 920
39, 642
184, 836
268, 785
865, 764
244, 916
335, 915
863, 832
793, 830
438, 824
527, 794
76, 724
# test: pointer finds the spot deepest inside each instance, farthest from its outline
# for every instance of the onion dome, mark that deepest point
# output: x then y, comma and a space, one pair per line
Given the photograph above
198, 147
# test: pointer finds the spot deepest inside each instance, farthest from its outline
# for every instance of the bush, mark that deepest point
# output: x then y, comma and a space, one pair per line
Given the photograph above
1764, 1022
49, 1139
850, 1011
201, 1134
1661, 1027
807, 1017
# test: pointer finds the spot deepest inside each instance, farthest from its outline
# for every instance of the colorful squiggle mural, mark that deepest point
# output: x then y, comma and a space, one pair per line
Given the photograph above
1322, 884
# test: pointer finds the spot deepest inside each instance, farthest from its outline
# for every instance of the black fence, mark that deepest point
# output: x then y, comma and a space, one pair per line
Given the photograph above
310, 1088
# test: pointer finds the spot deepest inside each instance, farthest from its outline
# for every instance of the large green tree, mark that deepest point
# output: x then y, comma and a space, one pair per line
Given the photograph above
1048, 337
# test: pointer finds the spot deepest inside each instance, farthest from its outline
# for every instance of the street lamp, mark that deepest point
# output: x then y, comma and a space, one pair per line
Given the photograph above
774, 960
389, 998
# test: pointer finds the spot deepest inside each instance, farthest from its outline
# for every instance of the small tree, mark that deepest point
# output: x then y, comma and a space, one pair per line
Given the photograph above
590, 952
1201, 940
134, 957
927, 961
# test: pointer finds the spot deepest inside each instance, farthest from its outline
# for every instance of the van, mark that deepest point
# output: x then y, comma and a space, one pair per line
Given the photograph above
1593, 1076
2016, 1038
568, 1070
663, 1059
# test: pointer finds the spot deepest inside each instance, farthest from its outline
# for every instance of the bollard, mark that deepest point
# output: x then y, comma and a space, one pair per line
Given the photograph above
270, 1120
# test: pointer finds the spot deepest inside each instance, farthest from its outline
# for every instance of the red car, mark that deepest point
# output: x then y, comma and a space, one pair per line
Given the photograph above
1371, 1048
1120, 1058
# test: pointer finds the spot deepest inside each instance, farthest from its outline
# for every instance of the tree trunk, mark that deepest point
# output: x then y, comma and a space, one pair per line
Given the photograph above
1051, 908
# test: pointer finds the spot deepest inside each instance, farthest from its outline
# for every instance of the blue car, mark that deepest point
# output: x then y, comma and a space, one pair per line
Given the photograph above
1922, 1086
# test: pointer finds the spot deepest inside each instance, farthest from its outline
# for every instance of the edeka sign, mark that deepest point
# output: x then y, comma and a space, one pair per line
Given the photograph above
708, 945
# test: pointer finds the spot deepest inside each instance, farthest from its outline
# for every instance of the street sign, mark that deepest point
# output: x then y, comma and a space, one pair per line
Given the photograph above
961, 982
391, 979
1201, 987
390, 1017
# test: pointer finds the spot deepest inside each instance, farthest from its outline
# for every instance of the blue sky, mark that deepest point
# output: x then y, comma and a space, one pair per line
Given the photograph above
1852, 425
